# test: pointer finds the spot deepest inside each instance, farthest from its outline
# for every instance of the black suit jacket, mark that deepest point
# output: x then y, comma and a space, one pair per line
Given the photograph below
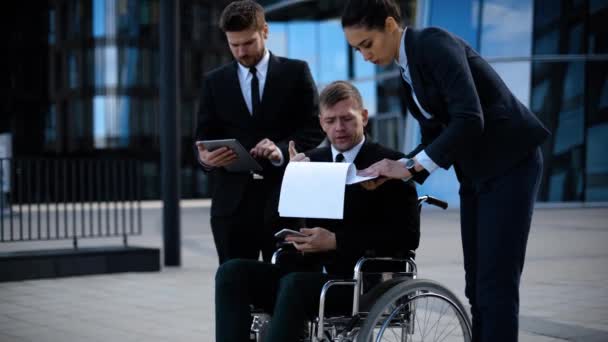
385, 221
289, 109
478, 125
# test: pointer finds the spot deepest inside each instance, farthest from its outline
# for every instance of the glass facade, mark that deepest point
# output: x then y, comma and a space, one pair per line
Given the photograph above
102, 65
553, 55
84, 79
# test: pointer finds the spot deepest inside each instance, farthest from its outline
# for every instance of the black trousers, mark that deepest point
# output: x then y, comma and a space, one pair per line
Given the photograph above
250, 229
292, 298
495, 222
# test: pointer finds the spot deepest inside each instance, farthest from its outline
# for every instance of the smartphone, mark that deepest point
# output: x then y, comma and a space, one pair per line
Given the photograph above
284, 232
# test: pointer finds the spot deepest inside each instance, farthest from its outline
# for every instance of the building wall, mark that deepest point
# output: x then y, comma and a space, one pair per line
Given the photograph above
552, 54
86, 80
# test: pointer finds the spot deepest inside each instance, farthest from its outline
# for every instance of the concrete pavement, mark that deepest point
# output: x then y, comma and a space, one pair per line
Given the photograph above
564, 293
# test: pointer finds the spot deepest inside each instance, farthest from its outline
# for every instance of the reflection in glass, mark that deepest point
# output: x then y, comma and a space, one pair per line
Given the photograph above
50, 125
598, 29
597, 131
362, 68
111, 121
106, 66
277, 38
507, 28
72, 70
558, 27
302, 43
516, 76
369, 95
557, 100
333, 50
458, 17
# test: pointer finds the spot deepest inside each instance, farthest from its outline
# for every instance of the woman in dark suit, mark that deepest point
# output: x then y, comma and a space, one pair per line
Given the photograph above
470, 120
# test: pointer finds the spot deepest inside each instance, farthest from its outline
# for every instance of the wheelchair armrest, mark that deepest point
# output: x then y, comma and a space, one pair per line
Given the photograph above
290, 259
365, 260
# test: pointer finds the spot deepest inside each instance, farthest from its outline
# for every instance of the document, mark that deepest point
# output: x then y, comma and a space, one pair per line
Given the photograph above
316, 189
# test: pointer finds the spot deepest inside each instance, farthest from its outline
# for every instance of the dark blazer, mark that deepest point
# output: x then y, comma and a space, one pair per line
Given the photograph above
289, 111
478, 125
384, 221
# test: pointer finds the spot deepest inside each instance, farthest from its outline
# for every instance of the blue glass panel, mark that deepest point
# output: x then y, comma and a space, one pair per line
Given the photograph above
99, 18
333, 52
507, 28
302, 43
516, 76
277, 38
458, 17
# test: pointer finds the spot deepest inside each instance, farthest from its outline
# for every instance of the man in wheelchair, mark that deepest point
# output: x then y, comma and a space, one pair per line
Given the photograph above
383, 222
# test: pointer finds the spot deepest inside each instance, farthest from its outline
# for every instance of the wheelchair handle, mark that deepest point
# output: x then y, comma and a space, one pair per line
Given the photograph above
432, 200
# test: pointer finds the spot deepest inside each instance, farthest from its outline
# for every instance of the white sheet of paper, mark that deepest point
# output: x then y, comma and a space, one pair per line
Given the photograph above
316, 189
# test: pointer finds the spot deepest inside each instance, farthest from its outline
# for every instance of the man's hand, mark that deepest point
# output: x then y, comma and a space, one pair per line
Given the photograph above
384, 170
217, 158
317, 240
294, 156
266, 148
373, 184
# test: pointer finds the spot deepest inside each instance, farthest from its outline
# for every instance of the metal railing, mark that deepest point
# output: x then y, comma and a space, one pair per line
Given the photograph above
59, 199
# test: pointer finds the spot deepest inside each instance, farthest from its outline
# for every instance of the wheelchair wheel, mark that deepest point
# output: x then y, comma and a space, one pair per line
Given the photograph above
415, 311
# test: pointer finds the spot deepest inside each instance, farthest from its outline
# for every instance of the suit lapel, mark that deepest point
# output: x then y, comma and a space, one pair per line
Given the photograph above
272, 74
411, 40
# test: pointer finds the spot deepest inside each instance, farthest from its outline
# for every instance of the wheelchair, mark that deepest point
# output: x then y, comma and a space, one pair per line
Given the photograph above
393, 306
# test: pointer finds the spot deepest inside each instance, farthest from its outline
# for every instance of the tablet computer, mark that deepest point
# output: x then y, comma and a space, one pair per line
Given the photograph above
244, 161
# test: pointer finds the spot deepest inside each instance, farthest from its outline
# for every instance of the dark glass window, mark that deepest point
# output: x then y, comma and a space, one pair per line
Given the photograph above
597, 132
559, 27
598, 27
557, 99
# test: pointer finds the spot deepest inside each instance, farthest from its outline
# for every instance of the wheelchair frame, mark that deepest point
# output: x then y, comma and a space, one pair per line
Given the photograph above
405, 283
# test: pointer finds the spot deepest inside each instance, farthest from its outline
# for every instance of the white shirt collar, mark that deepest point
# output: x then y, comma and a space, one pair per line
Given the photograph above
261, 67
350, 155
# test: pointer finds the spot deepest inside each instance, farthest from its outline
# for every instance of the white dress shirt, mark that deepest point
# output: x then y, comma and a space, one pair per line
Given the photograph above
245, 79
422, 158
350, 155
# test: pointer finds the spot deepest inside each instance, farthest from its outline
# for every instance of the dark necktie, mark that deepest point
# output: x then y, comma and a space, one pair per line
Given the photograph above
339, 158
255, 91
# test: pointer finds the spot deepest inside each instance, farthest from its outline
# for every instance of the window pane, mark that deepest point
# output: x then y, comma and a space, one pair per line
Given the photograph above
557, 99
597, 132
458, 17
333, 52
558, 27
302, 44
277, 38
369, 95
516, 76
598, 29
507, 27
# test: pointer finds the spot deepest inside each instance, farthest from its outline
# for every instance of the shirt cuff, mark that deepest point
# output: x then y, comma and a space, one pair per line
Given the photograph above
423, 159
280, 161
